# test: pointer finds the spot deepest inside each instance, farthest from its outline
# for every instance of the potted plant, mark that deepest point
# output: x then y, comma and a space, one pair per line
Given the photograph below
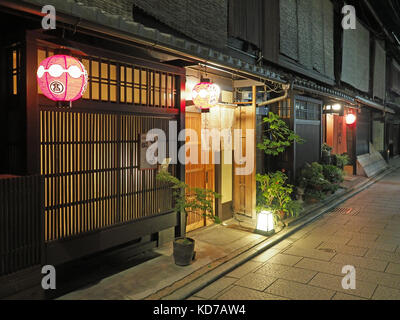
312, 177
342, 160
326, 153
313, 181
188, 200
333, 174
276, 194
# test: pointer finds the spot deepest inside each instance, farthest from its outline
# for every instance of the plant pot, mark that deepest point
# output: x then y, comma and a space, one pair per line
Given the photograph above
183, 251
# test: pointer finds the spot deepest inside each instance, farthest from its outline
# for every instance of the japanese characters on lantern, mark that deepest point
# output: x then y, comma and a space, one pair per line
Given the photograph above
205, 95
62, 78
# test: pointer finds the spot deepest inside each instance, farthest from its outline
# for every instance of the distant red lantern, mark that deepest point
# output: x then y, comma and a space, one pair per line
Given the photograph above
206, 95
62, 78
351, 119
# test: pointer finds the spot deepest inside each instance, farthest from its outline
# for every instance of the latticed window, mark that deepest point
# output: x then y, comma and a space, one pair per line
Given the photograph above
111, 81
306, 110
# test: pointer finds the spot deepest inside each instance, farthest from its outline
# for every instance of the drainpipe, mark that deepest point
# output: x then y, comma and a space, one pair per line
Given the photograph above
285, 87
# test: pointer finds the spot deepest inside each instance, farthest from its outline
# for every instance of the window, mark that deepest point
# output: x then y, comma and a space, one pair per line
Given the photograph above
14, 68
306, 110
110, 81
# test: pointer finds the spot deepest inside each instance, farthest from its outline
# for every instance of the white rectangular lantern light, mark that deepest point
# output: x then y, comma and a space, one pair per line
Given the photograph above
265, 223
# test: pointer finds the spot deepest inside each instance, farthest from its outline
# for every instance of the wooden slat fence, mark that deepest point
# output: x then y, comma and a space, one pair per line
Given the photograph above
21, 231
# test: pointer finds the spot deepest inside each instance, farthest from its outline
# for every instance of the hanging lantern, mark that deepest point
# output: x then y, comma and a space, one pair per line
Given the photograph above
205, 95
62, 78
351, 119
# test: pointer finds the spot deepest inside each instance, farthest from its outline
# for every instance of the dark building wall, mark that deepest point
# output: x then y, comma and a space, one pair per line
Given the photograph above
256, 22
395, 77
356, 57
363, 135
306, 34
122, 8
204, 21
379, 86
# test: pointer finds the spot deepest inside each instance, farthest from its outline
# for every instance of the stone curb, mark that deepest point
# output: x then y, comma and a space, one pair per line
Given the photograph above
217, 273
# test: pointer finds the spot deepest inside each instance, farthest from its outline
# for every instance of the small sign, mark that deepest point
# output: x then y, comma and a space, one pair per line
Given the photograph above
144, 145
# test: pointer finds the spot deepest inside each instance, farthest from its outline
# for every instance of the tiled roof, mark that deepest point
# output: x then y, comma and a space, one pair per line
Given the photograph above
374, 105
322, 90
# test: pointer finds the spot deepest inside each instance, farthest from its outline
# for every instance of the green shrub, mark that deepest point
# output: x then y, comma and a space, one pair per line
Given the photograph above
314, 195
333, 174
342, 160
277, 137
190, 200
276, 194
312, 177
325, 148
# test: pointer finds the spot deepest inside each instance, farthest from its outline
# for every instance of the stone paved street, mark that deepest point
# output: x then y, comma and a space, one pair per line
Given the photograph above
363, 232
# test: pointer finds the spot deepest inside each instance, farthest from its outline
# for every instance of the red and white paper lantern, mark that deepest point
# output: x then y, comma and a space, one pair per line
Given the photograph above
351, 119
62, 78
205, 95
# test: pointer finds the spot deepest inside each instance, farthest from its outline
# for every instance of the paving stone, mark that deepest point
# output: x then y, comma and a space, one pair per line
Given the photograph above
244, 269
216, 287
393, 227
384, 293
286, 272
298, 291
379, 245
256, 281
361, 262
283, 244
393, 268
325, 238
378, 231
383, 255
328, 281
240, 293
265, 256
285, 259
382, 278
308, 243
310, 253
339, 219
368, 223
327, 230
392, 239
334, 247
342, 297
298, 235
320, 266
356, 235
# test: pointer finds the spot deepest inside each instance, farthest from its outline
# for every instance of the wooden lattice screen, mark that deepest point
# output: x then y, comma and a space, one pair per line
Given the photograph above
92, 179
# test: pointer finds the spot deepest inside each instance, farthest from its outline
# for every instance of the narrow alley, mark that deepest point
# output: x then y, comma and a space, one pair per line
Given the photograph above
363, 232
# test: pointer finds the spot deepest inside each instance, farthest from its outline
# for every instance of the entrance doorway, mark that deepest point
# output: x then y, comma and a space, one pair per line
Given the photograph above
198, 175
336, 133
